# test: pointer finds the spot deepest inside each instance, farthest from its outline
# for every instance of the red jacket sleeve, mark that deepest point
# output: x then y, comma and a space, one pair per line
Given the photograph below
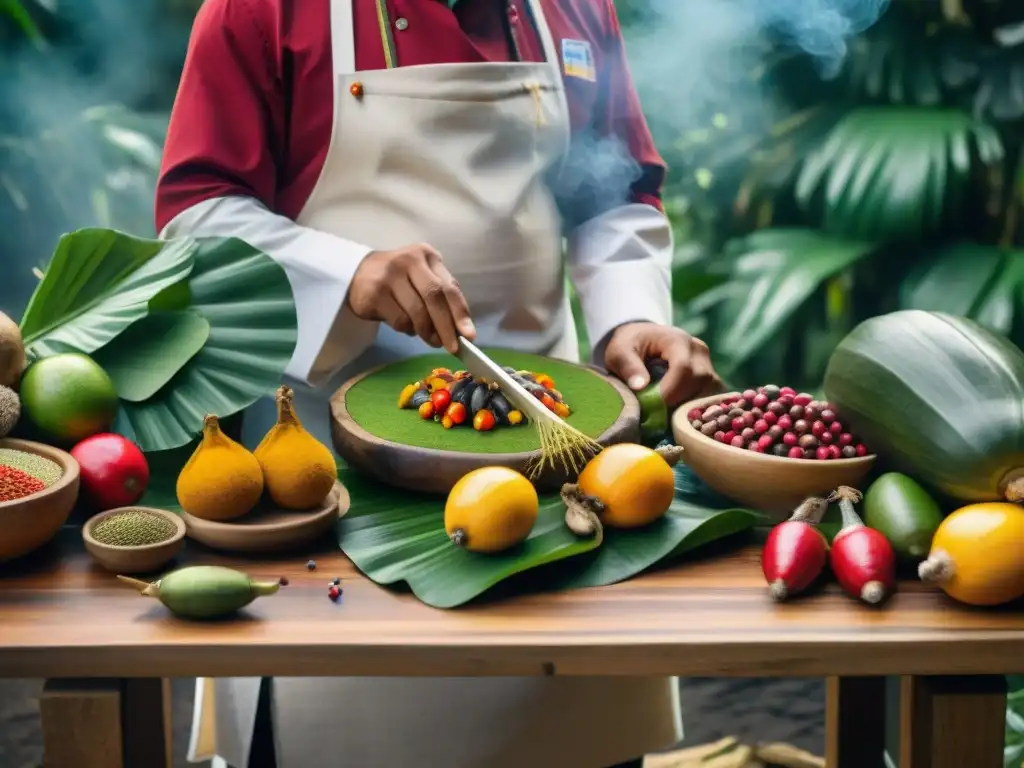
619, 113
227, 113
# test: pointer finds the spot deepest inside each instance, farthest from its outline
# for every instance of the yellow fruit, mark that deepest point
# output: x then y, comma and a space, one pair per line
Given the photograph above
221, 480
634, 484
12, 352
977, 554
299, 470
491, 509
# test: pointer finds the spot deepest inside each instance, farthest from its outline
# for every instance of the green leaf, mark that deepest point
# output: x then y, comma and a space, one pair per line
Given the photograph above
247, 300
894, 173
148, 354
99, 282
981, 282
775, 272
394, 536
697, 517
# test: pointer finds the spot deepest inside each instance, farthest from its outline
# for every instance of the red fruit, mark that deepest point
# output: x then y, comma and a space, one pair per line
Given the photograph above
761, 426
845, 439
796, 452
862, 558
835, 451
748, 433
755, 448
728, 436
765, 442
862, 450
737, 442
760, 400
790, 439
817, 428
440, 399
800, 426
828, 416
749, 395
694, 414
748, 419
835, 428
720, 436
737, 424
113, 471
825, 438
770, 418
803, 399
795, 551
785, 422
787, 392
822, 453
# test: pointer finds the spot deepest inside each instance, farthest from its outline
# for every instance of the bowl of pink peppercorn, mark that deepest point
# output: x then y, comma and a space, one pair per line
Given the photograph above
770, 448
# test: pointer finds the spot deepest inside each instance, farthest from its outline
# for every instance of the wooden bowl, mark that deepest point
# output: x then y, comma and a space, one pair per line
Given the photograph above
146, 558
772, 484
270, 530
30, 522
435, 470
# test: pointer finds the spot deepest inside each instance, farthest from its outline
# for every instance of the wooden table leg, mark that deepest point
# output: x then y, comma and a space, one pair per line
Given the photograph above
855, 722
146, 722
106, 723
82, 724
952, 722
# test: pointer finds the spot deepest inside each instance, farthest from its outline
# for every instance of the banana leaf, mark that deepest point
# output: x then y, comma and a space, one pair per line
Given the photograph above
774, 273
898, 173
396, 536
98, 283
247, 300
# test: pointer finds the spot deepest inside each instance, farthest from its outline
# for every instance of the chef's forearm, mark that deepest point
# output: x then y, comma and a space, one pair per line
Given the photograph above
319, 266
620, 264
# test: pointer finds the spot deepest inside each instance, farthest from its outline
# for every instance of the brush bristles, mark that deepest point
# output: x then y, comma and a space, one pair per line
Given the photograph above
561, 444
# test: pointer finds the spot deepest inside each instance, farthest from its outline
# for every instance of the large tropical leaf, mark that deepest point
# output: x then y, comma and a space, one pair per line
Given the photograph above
774, 273
247, 300
984, 283
395, 536
98, 283
898, 173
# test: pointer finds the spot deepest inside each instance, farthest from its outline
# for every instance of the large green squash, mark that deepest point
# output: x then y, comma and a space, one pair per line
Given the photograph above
938, 397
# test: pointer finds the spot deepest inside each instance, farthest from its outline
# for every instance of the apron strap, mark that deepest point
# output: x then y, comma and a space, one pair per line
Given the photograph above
546, 39
343, 43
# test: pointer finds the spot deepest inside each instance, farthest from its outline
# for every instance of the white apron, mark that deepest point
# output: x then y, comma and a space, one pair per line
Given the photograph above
452, 155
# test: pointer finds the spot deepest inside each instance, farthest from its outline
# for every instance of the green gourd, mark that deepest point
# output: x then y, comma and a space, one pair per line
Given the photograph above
938, 397
204, 591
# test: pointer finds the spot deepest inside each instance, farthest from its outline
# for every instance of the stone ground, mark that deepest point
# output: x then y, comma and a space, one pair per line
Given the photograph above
788, 710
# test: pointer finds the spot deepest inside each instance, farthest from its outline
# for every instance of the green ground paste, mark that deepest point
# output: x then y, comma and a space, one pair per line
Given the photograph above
373, 404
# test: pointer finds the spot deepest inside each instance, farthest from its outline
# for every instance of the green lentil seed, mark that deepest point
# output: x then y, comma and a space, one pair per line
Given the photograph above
133, 528
49, 472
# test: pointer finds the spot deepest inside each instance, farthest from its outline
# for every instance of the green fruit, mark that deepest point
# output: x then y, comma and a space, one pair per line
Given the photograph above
902, 511
68, 396
938, 397
204, 591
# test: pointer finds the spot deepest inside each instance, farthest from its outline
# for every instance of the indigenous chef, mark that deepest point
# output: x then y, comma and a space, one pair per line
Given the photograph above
402, 161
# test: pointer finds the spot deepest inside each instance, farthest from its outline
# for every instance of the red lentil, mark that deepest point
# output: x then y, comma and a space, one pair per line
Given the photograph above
15, 484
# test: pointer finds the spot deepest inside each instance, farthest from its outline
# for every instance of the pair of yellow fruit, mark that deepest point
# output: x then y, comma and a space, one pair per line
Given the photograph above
625, 486
223, 480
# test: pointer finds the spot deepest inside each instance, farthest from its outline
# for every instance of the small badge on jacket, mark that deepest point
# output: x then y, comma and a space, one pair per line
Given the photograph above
578, 60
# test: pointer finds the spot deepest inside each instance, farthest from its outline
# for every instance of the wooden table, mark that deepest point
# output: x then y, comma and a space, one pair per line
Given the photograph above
64, 619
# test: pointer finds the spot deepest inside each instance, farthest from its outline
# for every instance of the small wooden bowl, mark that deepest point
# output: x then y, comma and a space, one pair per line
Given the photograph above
771, 484
266, 529
28, 523
146, 558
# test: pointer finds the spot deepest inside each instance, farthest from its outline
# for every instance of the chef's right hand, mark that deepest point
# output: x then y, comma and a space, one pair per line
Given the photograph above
411, 290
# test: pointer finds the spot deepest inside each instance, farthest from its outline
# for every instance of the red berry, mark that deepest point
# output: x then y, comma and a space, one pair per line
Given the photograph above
817, 428
835, 427
797, 412
803, 399
796, 452
825, 438
828, 416
862, 450
787, 392
334, 593
785, 422
737, 442
757, 413
786, 401
765, 442
755, 448
694, 413
748, 419
790, 439
760, 401
749, 394
845, 439
737, 424
761, 426
800, 426
770, 418
727, 438
822, 453
777, 408
748, 433
834, 450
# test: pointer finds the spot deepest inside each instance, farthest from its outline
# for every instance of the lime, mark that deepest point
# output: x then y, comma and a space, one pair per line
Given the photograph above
68, 396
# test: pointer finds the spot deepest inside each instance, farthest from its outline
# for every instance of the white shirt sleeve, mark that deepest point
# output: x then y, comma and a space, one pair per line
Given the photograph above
621, 265
319, 266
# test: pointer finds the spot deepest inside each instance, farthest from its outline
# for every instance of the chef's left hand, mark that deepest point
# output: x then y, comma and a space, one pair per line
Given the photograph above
690, 372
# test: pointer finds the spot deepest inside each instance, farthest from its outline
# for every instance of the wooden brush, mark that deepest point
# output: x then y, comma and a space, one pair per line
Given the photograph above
560, 442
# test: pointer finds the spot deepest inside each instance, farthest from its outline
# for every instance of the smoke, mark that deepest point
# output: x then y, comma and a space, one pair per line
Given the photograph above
692, 62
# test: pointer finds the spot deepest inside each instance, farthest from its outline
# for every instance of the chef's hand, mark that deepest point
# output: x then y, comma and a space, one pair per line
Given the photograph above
690, 373
411, 290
